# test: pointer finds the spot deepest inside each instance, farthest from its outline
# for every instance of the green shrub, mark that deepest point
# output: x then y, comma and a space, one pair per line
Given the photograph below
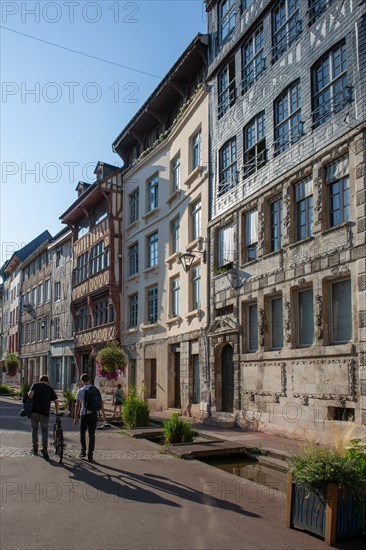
24, 388
177, 430
135, 411
69, 397
315, 467
5, 389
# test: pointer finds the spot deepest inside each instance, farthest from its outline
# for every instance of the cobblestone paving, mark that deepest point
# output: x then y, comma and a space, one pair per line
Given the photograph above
102, 454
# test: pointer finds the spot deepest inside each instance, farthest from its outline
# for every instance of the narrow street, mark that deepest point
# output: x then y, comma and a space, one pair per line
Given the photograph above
132, 497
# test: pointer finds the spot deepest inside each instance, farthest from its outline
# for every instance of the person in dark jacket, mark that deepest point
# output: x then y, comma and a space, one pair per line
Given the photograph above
41, 394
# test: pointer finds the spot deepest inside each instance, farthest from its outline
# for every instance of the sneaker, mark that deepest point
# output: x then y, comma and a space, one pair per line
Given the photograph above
82, 454
45, 454
35, 451
91, 459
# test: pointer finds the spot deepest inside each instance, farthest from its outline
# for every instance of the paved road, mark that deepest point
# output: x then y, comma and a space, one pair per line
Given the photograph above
133, 497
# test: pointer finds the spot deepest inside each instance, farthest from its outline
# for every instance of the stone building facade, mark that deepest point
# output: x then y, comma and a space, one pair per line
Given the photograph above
287, 206
35, 316
95, 223
62, 368
165, 152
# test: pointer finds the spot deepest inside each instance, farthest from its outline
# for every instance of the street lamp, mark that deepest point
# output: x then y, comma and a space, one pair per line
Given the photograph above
188, 258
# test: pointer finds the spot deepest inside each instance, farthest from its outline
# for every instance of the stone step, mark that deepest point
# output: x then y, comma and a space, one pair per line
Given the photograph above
221, 420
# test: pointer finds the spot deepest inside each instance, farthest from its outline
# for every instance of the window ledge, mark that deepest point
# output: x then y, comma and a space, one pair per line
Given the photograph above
196, 243
335, 227
176, 320
303, 241
133, 278
194, 174
194, 313
270, 254
131, 330
174, 196
150, 326
149, 214
171, 259
133, 225
154, 269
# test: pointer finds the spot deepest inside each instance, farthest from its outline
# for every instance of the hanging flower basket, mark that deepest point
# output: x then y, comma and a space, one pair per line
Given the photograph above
111, 362
12, 364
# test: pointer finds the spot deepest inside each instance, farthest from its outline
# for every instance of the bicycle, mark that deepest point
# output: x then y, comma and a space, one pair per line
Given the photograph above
58, 438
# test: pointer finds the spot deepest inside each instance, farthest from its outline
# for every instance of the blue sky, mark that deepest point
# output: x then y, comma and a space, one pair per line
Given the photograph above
61, 110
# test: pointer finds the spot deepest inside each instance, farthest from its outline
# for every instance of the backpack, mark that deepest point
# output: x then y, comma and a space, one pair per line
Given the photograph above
27, 405
93, 399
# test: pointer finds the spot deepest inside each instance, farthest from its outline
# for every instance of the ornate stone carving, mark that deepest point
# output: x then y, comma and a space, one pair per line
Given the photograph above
261, 226
288, 321
319, 316
287, 216
261, 326
318, 194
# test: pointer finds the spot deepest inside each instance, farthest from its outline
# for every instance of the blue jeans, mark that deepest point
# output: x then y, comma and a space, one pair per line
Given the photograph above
88, 422
37, 419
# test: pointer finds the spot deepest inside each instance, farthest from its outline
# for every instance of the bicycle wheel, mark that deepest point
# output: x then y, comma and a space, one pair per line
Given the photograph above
61, 448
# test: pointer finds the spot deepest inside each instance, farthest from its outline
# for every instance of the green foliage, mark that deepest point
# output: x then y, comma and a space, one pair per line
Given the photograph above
12, 364
177, 430
5, 389
111, 358
317, 466
24, 388
135, 410
69, 397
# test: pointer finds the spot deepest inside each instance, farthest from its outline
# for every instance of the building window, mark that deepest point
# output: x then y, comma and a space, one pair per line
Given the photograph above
197, 150
305, 318
227, 14
253, 59
275, 235
152, 305
252, 332
254, 145
100, 212
56, 328
276, 323
82, 319
83, 227
196, 378
45, 328
196, 228
175, 296
317, 8
47, 291
99, 258
330, 90
133, 259
103, 312
33, 331
57, 288
174, 233
196, 287
337, 181
40, 294
34, 297
40, 329
228, 176
340, 311
175, 170
225, 247
251, 235
132, 310
81, 271
287, 116
226, 88
304, 209
58, 257
286, 26
134, 206
26, 333
152, 250
152, 193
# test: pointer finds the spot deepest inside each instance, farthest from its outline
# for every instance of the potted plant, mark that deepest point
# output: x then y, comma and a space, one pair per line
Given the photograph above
12, 364
326, 492
111, 362
69, 401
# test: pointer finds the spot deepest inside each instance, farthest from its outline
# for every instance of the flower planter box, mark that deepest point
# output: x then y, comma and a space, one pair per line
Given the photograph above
339, 515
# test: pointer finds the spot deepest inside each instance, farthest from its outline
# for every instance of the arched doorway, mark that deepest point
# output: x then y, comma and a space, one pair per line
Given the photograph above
227, 378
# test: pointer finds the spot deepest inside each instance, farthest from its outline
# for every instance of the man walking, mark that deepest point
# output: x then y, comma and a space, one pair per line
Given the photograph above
88, 416
41, 394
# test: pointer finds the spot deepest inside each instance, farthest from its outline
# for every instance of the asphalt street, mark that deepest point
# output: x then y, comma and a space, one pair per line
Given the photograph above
133, 497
